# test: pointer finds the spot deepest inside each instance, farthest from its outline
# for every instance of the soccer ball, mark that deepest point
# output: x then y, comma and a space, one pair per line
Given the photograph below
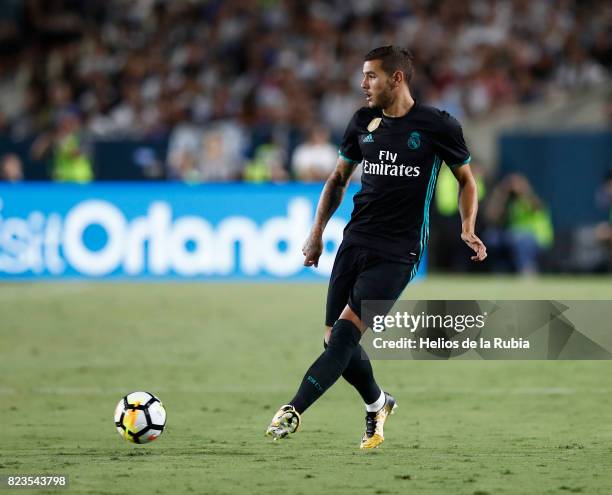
140, 417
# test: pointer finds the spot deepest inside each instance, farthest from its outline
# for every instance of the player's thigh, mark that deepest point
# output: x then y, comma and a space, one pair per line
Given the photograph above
382, 280
343, 276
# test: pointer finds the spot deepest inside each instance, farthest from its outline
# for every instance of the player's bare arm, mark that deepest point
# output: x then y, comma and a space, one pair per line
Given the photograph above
330, 199
468, 207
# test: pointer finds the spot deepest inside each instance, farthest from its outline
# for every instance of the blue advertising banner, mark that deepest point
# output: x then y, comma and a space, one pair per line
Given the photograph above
163, 231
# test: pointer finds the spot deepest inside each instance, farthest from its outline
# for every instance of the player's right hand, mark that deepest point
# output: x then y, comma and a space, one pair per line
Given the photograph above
312, 249
476, 244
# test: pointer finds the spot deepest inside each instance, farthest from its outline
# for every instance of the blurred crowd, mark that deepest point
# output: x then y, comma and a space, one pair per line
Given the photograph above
262, 91
238, 85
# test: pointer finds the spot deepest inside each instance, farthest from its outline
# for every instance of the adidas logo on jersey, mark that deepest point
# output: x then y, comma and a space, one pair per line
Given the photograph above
368, 139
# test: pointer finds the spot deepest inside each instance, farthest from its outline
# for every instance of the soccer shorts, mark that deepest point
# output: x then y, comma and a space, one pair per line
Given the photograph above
361, 274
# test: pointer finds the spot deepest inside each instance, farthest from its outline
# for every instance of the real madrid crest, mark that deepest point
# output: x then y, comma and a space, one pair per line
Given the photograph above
374, 123
414, 141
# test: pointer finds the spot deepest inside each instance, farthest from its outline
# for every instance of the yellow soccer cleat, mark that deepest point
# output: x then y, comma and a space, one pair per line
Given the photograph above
375, 421
285, 421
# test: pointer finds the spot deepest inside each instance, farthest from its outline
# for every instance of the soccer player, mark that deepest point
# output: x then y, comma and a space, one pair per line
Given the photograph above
401, 145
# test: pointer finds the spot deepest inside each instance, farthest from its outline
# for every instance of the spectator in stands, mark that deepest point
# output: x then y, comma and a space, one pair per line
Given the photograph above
70, 161
212, 154
315, 159
267, 165
338, 106
578, 71
520, 226
11, 169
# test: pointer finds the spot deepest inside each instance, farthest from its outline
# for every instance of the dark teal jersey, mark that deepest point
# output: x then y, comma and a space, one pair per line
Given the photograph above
400, 159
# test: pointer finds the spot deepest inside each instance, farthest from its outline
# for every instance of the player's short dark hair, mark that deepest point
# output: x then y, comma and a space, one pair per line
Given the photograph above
393, 58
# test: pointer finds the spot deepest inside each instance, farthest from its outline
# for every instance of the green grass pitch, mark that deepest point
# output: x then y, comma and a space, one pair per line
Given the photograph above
223, 357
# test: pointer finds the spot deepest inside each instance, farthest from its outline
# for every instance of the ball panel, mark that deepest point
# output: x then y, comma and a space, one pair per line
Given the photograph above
139, 398
152, 435
157, 412
118, 410
146, 435
135, 421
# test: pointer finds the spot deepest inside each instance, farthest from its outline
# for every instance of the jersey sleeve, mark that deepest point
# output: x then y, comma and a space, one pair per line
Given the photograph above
349, 147
451, 145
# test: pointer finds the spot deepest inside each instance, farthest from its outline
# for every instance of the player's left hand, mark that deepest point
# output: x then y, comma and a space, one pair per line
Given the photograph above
312, 249
475, 244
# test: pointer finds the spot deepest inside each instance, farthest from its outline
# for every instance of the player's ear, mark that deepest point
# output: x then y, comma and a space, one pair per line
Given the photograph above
398, 77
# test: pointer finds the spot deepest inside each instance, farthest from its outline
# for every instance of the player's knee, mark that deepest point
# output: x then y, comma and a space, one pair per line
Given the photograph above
350, 315
327, 336
344, 334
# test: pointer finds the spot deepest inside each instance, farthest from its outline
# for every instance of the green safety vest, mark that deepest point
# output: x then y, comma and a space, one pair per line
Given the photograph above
522, 218
68, 166
447, 192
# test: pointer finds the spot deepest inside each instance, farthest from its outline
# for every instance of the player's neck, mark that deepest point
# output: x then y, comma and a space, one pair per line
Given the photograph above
400, 107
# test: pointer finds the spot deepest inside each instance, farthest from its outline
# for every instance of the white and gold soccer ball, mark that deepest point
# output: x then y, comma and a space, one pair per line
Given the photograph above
140, 417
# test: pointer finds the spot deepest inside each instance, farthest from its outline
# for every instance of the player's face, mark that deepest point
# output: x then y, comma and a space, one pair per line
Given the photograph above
376, 84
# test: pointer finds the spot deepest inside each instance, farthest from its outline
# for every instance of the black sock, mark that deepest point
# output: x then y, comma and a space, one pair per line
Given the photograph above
329, 366
360, 375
